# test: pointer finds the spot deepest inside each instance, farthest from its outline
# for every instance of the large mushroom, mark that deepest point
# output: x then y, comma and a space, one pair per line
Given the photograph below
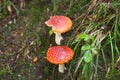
59, 24
60, 55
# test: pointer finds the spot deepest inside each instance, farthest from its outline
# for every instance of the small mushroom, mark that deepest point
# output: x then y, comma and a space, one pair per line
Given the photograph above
59, 24
60, 55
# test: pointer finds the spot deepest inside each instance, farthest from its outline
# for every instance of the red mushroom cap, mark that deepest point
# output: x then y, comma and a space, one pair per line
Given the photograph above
59, 54
59, 24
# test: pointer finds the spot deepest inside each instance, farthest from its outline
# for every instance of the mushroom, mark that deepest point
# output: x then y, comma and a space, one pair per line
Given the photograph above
60, 55
59, 24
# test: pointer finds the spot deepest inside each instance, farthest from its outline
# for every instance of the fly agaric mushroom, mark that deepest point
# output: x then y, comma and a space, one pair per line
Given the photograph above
60, 55
59, 24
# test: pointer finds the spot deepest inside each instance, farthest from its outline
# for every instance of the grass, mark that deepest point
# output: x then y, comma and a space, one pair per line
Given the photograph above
94, 38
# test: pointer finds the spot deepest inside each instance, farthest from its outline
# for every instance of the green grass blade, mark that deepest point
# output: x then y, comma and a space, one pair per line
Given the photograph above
96, 67
112, 51
78, 65
104, 59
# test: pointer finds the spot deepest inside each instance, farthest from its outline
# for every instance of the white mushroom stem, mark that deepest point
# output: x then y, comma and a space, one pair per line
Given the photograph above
58, 38
61, 68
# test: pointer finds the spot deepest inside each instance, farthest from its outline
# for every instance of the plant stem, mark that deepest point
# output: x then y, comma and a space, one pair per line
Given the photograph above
58, 38
61, 68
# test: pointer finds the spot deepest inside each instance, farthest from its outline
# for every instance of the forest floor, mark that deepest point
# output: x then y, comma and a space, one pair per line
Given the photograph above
24, 40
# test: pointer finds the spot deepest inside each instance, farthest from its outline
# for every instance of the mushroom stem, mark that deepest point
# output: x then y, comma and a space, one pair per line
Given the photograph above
58, 38
61, 68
